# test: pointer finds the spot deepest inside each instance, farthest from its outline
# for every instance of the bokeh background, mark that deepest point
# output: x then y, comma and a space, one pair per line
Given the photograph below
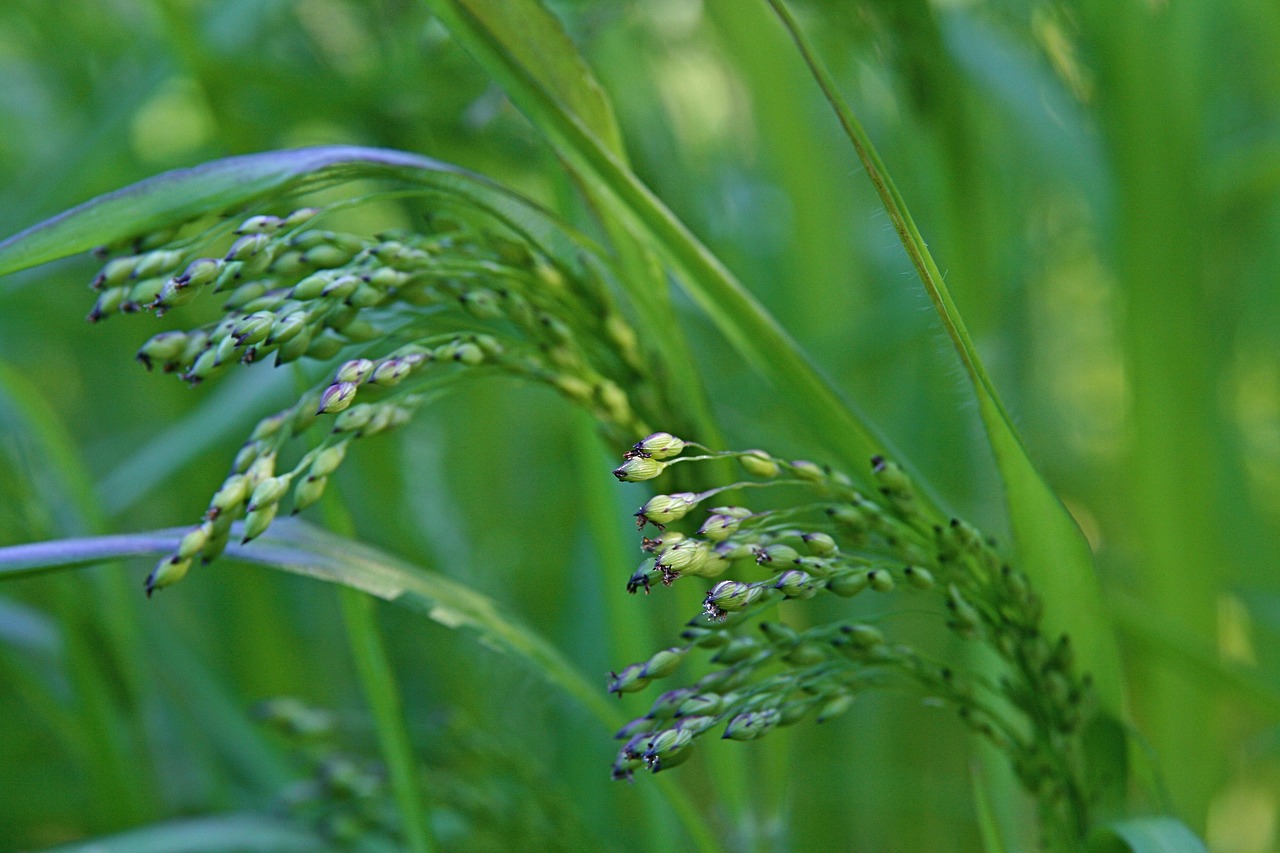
1098, 179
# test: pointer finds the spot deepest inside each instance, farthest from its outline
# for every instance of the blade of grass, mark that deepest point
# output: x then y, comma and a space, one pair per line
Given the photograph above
298, 548
1053, 550
222, 834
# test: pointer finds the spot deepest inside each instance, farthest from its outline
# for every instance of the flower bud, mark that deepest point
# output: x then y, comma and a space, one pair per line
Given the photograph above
229, 498
336, 397
630, 680
662, 509
259, 225
258, 520
254, 328
805, 470
481, 303
269, 491
355, 418
779, 635
663, 663
391, 372
701, 704
167, 572
166, 348
805, 654
639, 468
776, 553
752, 724
918, 577
659, 445
834, 707
737, 650
469, 354
328, 460
820, 544
880, 580
717, 528
307, 492
195, 540
757, 463
796, 584
849, 584
862, 636
247, 246
685, 557
892, 479
728, 596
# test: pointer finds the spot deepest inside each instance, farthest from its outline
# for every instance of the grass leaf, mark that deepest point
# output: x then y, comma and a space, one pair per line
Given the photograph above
221, 834
1146, 835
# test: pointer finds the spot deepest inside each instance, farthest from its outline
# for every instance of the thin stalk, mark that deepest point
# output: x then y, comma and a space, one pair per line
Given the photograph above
380, 690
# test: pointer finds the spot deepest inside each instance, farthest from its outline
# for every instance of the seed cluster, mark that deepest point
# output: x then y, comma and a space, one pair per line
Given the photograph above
836, 539
410, 310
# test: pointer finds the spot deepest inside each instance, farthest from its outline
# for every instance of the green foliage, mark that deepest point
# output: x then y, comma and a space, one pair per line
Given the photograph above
654, 224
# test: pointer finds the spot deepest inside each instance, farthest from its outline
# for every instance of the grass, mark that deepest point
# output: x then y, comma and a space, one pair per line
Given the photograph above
1092, 213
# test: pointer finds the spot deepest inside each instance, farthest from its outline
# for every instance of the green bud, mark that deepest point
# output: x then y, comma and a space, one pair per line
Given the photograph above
752, 724
269, 491
325, 346
115, 273
796, 584
630, 680
257, 521
167, 572
391, 372
892, 479
299, 216
696, 725
757, 463
848, 585
834, 707
779, 635
166, 348
663, 663
366, 296
820, 544
685, 557
737, 650
806, 470
336, 397
284, 329
614, 400
728, 596
469, 354
259, 225
704, 638
326, 256
717, 528
739, 512
313, 286
805, 654
880, 580
918, 577
262, 468
328, 460
776, 553
174, 294
159, 263
481, 303
195, 540
355, 418
701, 704
667, 741
143, 293
308, 491
229, 498
659, 445
639, 468
663, 509
862, 636
247, 247
967, 619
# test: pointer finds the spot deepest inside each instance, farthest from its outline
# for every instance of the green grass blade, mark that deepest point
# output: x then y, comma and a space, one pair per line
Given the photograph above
1146, 835
299, 548
223, 834
1054, 552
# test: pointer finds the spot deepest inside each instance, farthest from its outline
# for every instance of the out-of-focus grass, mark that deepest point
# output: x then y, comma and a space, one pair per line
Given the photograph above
1096, 179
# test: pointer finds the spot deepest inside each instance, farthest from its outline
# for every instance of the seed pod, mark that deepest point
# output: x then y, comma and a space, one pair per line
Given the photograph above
918, 577
663, 663
158, 263
336, 397
115, 273
143, 293
630, 680
662, 509
685, 557
806, 470
247, 247
326, 256
805, 654
862, 636
469, 354
779, 635
167, 572
848, 585
659, 445
639, 468
701, 704
390, 372
695, 725
481, 303
285, 328
313, 286
737, 650
667, 741
257, 521
892, 479
354, 418
328, 460
752, 724
262, 468
732, 595
820, 544
295, 347
717, 528
880, 580
229, 497
834, 707
757, 463
166, 347
325, 346
307, 492
195, 540
269, 491
259, 225
776, 553
796, 584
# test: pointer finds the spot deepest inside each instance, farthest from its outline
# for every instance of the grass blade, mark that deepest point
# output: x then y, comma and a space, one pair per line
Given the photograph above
222, 834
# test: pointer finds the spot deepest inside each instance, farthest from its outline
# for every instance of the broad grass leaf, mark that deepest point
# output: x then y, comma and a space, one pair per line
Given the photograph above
221, 834
1146, 835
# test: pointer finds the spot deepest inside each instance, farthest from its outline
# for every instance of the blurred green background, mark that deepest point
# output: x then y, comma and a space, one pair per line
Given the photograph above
1100, 182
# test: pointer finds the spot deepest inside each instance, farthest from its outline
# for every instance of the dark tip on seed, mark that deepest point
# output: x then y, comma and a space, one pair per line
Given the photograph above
877, 463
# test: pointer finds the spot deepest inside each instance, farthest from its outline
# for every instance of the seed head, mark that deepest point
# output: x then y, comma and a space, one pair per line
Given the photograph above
757, 463
639, 468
